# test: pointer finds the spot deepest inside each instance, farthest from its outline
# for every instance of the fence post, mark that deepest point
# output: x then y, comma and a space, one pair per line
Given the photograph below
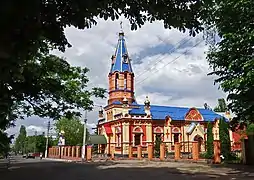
217, 151
112, 152
89, 153
139, 152
130, 152
162, 151
150, 152
195, 151
177, 151
77, 152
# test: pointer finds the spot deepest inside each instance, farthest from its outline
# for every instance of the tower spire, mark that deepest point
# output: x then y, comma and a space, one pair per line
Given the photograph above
121, 26
121, 76
121, 61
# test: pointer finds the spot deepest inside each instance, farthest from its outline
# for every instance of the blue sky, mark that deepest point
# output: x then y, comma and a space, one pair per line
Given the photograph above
167, 67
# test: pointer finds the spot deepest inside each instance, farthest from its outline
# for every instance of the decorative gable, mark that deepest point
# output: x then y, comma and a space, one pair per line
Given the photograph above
193, 115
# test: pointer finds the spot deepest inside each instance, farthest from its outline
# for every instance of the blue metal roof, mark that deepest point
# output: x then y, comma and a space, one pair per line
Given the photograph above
176, 113
121, 62
117, 102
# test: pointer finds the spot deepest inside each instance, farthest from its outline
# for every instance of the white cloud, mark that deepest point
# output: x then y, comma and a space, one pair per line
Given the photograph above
181, 82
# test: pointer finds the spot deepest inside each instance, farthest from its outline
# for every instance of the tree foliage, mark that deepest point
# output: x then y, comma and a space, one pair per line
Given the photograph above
31, 144
224, 138
46, 86
222, 106
42, 21
209, 142
158, 142
20, 143
232, 59
73, 130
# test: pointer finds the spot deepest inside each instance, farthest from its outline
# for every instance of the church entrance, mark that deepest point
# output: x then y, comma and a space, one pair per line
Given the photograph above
200, 140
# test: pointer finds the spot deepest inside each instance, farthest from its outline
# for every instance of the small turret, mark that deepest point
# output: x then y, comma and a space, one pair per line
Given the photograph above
101, 113
125, 101
147, 106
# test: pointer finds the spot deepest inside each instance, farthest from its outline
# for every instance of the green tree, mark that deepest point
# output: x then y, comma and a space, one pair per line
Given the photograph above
40, 143
224, 138
232, 58
41, 21
209, 142
30, 144
4, 143
73, 130
158, 142
20, 143
222, 106
35, 143
46, 86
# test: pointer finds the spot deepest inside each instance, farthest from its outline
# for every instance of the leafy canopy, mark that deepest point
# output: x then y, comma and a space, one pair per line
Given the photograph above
73, 130
46, 86
20, 143
209, 142
232, 59
222, 106
44, 21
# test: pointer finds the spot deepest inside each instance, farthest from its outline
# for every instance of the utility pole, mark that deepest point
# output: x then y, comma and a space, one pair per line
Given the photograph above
47, 140
84, 138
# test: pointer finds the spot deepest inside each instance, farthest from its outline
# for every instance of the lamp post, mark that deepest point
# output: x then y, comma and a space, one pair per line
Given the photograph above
84, 139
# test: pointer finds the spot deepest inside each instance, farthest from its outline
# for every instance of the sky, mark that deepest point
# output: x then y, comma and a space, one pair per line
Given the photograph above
170, 66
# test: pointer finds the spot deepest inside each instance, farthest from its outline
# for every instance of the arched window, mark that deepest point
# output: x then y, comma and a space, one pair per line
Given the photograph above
125, 81
137, 136
116, 81
118, 136
137, 139
132, 82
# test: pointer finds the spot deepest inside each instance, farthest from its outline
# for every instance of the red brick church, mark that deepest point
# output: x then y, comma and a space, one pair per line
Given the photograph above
124, 122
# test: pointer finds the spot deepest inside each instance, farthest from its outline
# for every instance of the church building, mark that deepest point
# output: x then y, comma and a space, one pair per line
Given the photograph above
125, 122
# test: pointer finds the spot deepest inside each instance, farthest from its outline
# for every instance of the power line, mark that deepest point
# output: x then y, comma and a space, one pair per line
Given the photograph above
175, 59
173, 49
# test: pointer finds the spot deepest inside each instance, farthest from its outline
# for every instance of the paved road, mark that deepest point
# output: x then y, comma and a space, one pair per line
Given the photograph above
124, 170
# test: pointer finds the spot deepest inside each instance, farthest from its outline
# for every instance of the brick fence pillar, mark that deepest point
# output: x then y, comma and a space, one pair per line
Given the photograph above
177, 151
112, 149
73, 153
77, 151
150, 152
130, 152
69, 152
65, 152
89, 153
162, 151
217, 151
49, 152
53, 152
195, 151
139, 152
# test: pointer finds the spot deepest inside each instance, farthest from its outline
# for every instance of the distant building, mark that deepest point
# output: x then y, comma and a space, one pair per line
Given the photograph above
126, 123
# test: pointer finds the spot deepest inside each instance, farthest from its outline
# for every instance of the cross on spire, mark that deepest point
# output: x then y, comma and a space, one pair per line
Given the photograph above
121, 26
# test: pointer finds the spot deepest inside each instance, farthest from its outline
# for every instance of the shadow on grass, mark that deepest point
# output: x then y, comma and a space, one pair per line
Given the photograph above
116, 171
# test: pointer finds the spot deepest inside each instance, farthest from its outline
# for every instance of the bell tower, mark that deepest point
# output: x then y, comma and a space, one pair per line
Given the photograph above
121, 76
